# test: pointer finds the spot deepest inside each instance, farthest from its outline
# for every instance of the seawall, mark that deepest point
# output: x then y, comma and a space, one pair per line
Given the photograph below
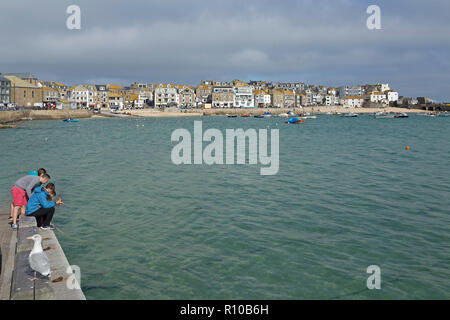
15, 116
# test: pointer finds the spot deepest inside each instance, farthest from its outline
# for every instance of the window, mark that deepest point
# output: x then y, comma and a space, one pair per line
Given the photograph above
32, 94
24, 93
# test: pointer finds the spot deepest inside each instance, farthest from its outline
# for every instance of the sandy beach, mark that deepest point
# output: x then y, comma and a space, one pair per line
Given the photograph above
155, 113
226, 111
340, 109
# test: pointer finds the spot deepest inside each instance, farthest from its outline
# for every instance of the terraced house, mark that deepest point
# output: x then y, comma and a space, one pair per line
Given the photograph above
102, 96
166, 95
25, 92
392, 96
144, 91
243, 97
289, 99
5, 88
203, 93
50, 95
376, 97
82, 96
223, 97
291, 86
116, 100
262, 98
354, 91
186, 96
352, 101
278, 98
300, 99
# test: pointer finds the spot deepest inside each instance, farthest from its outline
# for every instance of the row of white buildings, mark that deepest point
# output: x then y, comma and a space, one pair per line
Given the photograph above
27, 90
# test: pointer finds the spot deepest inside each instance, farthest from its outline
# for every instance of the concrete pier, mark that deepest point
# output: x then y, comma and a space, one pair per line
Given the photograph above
16, 281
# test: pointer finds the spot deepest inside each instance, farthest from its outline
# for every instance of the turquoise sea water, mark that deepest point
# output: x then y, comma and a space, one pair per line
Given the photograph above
347, 195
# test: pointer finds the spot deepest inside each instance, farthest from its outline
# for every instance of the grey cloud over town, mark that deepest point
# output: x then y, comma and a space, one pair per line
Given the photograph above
319, 42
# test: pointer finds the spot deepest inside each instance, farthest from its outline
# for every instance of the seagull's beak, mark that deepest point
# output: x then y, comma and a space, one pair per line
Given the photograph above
29, 238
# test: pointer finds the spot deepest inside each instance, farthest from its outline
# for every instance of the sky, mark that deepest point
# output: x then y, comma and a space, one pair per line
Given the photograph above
323, 42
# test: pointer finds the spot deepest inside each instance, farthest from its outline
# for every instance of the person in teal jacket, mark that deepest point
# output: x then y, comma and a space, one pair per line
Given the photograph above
41, 206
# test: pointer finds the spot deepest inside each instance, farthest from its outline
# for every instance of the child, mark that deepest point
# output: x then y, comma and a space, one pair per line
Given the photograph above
41, 207
22, 191
39, 173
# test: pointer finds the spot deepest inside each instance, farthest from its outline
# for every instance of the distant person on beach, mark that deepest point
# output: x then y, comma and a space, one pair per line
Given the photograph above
42, 207
22, 191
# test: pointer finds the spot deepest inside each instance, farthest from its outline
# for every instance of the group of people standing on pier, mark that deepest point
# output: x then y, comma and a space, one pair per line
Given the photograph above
33, 196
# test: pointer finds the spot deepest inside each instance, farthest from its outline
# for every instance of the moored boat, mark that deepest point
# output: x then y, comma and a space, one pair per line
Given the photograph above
295, 120
70, 120
383, 115
349, 115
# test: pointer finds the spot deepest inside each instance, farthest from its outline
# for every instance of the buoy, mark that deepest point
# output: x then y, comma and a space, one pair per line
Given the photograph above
407, 148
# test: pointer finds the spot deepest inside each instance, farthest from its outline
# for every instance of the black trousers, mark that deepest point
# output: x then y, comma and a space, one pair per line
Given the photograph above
43, 216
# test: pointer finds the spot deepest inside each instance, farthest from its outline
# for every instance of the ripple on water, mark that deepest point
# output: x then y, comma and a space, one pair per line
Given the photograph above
347, 196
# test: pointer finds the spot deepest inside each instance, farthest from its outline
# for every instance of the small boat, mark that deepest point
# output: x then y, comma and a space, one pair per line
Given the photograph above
401, 115
444, 114
328, 113
295, 120
245, 115
349, 115
283, 115
267, 114
290, 113
70, 120
383, 115
232, 116
311, 117
258, 116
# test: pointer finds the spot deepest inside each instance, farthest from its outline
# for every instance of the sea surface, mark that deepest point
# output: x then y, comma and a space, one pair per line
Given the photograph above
347, 196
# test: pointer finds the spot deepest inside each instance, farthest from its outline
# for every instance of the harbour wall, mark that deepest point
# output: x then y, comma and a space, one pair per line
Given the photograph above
21, 115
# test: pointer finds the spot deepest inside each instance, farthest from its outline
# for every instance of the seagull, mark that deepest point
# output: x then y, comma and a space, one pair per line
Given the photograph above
38, 259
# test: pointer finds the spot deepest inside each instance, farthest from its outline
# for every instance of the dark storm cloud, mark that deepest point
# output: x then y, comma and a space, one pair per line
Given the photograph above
323, 42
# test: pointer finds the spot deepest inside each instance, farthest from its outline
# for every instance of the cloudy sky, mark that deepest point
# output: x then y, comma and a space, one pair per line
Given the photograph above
183, 41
